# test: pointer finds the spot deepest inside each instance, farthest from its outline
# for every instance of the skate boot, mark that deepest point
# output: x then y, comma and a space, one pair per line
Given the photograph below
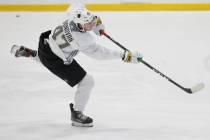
21, 51
79, 119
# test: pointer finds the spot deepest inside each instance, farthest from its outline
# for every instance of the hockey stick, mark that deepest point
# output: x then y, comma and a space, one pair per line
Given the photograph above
196, 88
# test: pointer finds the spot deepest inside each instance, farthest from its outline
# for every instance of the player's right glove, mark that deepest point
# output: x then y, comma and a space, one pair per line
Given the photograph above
99, 27
132, 57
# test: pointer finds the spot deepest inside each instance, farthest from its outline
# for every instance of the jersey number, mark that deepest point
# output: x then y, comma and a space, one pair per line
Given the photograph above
58, 30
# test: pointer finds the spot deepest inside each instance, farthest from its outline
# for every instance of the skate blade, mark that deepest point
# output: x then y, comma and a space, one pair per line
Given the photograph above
14, 49
77, 124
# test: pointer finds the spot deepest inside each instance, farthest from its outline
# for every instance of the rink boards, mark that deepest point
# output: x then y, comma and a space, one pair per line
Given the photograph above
109, 7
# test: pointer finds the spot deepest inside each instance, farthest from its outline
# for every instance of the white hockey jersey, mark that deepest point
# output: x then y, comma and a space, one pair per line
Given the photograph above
66, 41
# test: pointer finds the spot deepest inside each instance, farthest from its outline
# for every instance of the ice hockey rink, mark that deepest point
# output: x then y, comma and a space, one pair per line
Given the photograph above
129, 101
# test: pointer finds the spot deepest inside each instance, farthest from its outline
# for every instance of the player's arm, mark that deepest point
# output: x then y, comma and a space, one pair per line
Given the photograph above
99, 52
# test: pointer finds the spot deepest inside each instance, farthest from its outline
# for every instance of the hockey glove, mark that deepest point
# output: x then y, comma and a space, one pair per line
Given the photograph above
132, 57
99, 27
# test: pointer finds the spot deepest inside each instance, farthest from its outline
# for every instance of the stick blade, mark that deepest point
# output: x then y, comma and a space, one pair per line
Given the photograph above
197, 87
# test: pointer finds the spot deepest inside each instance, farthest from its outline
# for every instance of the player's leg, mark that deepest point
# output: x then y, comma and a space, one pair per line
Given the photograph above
81, 98
22, 51
83, 92
73, 75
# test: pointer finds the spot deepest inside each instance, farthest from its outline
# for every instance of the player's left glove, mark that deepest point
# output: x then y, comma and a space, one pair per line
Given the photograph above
99, 27
132, 57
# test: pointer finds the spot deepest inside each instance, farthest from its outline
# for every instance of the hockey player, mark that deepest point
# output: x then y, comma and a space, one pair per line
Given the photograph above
56, 51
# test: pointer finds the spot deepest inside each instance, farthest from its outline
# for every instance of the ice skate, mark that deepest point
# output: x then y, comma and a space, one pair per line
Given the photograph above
21, 51
79, 119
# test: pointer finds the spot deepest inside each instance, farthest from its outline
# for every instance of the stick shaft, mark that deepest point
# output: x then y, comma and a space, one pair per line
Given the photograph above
149, 66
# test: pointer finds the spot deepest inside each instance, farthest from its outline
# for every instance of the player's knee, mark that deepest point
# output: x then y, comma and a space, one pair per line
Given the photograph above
90, 80
87, 81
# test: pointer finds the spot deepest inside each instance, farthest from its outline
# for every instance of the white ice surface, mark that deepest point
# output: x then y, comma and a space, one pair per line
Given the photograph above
129, 102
